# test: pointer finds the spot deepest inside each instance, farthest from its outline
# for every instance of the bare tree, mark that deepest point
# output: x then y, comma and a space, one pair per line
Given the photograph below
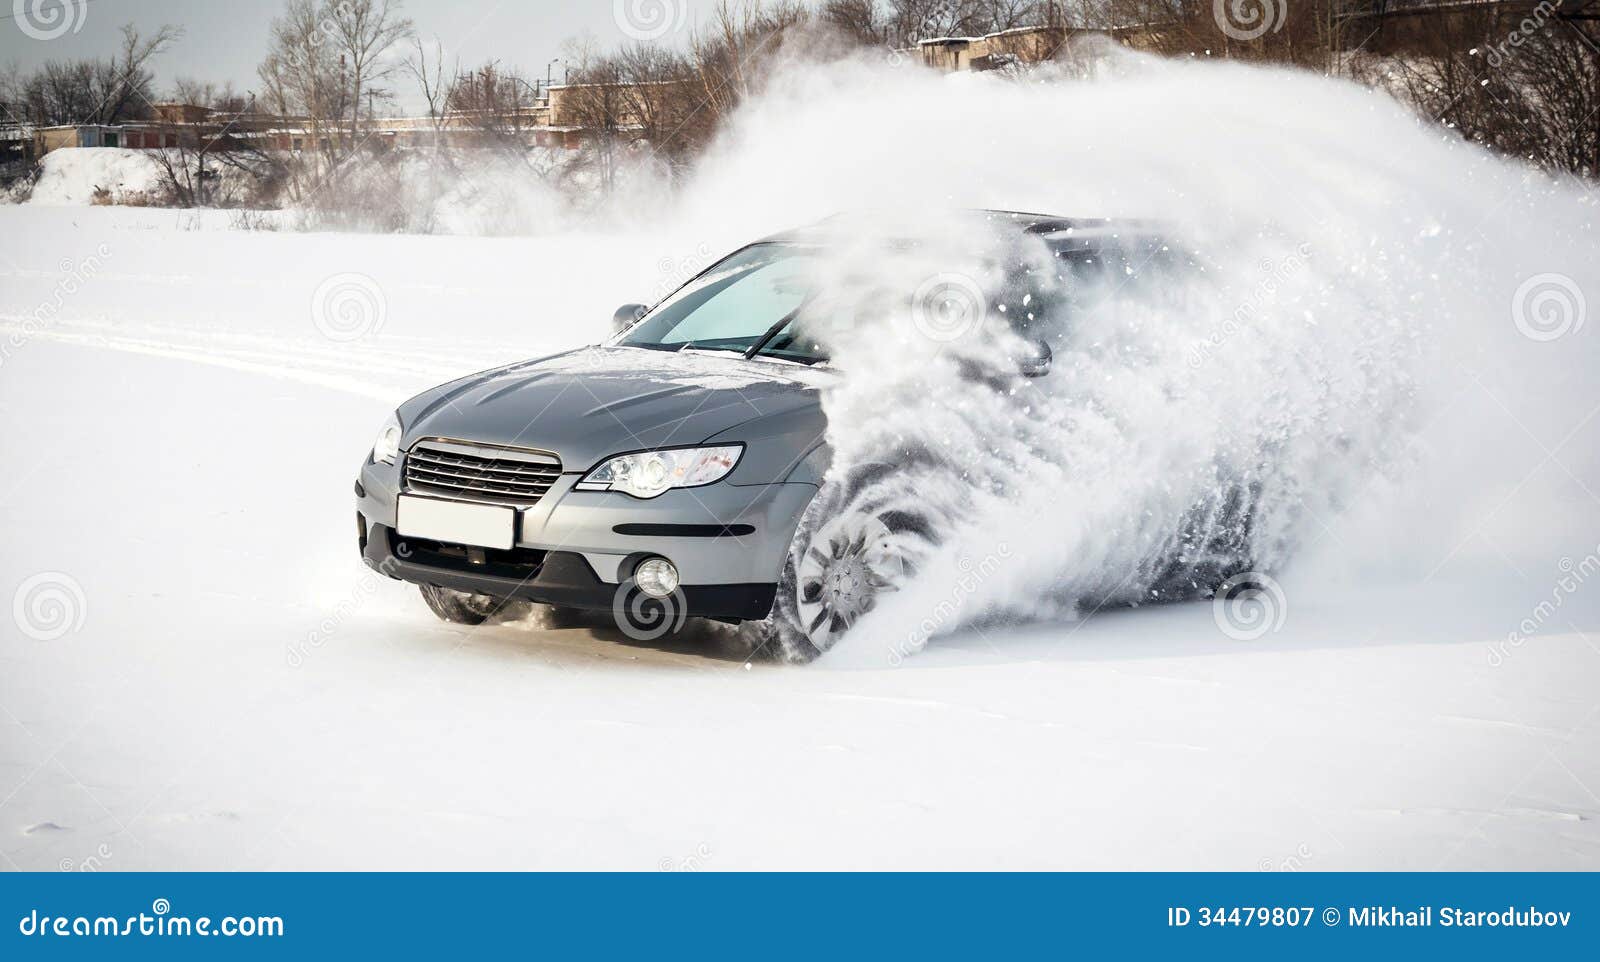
427, 69
660, 99
126, 89
97, 91
192, 169
593, 99
302, 77
363, 31
734, 56
496, 103
862, 20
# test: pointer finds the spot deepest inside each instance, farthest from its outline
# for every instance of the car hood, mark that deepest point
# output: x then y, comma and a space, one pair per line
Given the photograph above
595, 402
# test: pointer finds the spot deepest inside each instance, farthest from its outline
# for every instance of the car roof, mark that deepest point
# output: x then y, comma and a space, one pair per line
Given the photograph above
1050, 226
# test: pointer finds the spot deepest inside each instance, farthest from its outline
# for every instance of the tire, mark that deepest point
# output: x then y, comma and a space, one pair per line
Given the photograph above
859, 539
1213, 544
464, 608
558, 616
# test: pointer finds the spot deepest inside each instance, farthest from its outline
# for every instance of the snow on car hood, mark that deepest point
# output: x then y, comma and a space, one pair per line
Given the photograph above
588, 404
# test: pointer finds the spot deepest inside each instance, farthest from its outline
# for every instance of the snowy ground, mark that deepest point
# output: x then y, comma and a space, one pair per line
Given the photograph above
180, 440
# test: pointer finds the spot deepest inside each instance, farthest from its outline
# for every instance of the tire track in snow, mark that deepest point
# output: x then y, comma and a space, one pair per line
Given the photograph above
367, 370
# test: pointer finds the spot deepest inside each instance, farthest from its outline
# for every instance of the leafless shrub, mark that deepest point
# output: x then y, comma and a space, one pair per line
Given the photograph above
1528, 86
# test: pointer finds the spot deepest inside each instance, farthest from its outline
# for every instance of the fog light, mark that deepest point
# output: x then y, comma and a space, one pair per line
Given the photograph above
656, 577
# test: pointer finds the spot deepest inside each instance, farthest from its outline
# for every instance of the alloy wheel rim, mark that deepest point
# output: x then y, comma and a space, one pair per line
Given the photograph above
849, 563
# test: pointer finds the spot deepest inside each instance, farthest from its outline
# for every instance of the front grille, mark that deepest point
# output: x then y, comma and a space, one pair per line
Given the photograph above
480, 472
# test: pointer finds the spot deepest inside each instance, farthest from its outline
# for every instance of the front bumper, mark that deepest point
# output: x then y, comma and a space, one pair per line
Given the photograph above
550, 578
577, 548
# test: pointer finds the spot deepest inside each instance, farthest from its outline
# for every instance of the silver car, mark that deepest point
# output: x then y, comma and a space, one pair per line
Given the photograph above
671, 472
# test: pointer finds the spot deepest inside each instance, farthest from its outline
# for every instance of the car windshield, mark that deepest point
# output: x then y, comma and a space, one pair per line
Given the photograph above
734, 305
768, 294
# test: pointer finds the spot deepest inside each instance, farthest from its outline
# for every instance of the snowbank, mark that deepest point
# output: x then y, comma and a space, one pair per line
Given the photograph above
73, 175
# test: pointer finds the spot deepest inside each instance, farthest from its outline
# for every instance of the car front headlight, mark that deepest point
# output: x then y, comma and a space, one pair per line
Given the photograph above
386, 447
649, 473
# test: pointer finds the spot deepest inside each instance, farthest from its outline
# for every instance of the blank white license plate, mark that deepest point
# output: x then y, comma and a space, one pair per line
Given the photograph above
483, 525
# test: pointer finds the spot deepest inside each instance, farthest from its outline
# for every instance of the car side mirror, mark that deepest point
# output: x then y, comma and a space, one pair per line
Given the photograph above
625, 316
1039, 364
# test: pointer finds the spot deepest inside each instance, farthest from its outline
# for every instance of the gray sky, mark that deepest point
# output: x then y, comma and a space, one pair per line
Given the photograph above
227, 38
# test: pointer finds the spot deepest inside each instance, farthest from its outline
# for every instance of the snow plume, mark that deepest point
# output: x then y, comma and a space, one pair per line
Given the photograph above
1333, 334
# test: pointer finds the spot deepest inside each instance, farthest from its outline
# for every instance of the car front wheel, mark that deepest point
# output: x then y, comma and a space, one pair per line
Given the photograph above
465, 608
858, 542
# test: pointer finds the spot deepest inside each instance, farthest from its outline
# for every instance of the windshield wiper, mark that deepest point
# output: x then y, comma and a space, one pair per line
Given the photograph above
706, 348
771, 333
